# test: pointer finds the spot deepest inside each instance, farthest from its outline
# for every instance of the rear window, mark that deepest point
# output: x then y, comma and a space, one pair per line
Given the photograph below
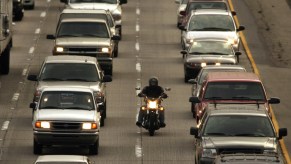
235, 91
207, 5
69, 72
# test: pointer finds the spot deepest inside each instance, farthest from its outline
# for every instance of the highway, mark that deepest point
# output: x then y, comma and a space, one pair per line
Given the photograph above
150, 46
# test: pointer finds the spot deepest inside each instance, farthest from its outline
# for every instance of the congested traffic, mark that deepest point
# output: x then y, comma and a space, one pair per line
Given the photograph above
73, 94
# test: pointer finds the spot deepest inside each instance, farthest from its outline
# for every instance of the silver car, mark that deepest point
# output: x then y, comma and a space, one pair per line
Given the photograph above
182, 7
74, 71
235, 128
212, 23
114, 6
66, 116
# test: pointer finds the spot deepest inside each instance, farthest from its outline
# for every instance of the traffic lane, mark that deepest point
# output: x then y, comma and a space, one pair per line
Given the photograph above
276, 78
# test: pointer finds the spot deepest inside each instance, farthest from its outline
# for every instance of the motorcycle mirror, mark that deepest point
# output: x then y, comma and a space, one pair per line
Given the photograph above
168, 89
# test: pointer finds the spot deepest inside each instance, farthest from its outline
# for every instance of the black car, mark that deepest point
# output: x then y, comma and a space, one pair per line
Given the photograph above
18, 10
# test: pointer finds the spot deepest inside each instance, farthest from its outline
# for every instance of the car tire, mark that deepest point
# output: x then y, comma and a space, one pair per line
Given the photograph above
193, 110
94, 149
37, 148
116, 51
102, 121
5, 61
186, 78
18, 16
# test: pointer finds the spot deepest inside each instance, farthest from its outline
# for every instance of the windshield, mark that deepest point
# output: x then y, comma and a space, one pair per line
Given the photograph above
69, 72
238, 125
83, 29
211, 48
71, 162
94, 1
66, 100
211, 23
235, 91
207, 5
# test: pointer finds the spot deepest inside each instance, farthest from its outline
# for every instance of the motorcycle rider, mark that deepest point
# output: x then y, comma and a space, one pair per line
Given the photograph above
153, 91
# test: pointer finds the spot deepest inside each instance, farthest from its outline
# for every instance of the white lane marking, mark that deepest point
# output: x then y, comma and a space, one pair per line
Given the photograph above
5, 125
31, 50
37, 31
138, 149
137, 46
138, 67
137, 11
24, 72
15, 97
48, 1
43, 14
137, 28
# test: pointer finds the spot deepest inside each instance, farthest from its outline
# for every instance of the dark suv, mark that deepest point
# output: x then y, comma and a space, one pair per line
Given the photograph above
18, 10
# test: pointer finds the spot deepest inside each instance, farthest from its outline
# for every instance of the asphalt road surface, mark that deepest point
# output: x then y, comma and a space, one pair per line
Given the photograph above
150, 46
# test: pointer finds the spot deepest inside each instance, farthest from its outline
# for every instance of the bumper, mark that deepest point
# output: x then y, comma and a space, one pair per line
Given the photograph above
48, 138
207, 160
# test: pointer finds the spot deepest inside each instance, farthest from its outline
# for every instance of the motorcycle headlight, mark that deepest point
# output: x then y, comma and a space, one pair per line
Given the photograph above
42, 124
88, 126
209, 153
152, 104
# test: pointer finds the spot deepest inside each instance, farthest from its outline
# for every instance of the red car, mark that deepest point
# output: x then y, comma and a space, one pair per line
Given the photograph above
231, 87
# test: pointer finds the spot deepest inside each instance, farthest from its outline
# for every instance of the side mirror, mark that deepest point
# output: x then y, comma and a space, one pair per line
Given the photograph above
194, 100
240, 28
233, 13
181, 27
194, 131
32, 77
237, 54
182, 13
274, 100
192, 81
50, 37
282, 133
107, 78
64, 1
115, 37
123, 2
184, 52
32, 105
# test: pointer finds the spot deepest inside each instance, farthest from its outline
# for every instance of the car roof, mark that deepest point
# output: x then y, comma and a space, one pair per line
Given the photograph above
83, 20
70, 59
233, 76
223, 67
62, 158
67, 88
85, 11
207, 1
211, 12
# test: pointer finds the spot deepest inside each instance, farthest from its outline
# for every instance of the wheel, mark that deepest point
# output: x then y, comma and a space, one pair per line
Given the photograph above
5, 61
37, 148
116, 51
18, 16
152, 132
104, 110
93, 149
193, 109
120, 32
102, 119
186, 78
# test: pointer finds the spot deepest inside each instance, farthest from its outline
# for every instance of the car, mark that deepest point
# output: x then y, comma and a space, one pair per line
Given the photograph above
66, 116
28, 4
235, 128
185, 12
18, 10
231, 87
114, 6
74, 71
197, 82
212, 23
182, 6
100, 14
86, 36
209, 51
63, 159
245, 158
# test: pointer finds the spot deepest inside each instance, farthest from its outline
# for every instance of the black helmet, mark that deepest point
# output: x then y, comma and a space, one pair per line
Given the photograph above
153, 81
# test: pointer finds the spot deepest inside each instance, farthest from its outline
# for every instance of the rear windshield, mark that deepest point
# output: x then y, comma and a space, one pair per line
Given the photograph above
235, 91
206, 5
69, 72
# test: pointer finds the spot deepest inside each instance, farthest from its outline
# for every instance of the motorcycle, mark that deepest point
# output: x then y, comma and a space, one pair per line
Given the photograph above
152, 109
